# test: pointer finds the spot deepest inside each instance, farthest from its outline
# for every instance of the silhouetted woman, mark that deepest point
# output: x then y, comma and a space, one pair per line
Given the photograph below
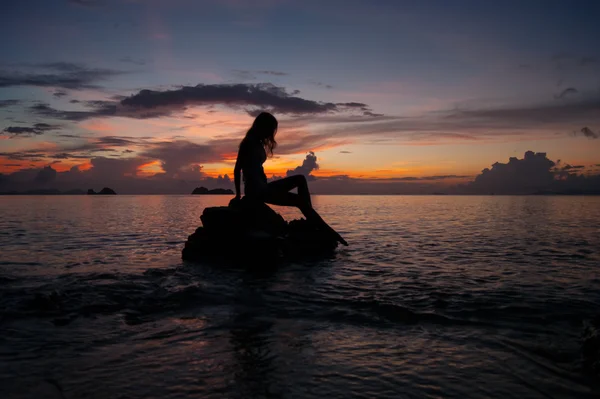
254, 148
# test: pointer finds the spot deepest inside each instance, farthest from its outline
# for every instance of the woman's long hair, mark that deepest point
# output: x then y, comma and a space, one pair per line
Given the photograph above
263, 130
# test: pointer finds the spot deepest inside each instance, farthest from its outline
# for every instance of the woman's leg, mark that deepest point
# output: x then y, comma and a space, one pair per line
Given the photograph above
278, 194
285, 198
289, 183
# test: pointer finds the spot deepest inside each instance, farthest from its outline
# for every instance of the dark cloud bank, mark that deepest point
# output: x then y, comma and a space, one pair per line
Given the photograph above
251, 98
37, 129
342, 120
59, 75
569, 110
535, 173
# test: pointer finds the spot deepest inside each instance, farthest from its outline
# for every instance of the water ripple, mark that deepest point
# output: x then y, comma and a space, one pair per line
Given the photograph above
433, 292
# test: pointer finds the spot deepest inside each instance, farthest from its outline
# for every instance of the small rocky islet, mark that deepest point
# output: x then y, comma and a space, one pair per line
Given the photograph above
206, 191
253, 233
104, 191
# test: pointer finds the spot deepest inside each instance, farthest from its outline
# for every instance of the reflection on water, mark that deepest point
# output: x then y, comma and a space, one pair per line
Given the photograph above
436, 296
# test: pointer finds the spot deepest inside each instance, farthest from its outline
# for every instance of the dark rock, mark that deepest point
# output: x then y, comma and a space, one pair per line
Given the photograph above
204, 190
591, 346
253, 233
107, 191
104, 191
200, 190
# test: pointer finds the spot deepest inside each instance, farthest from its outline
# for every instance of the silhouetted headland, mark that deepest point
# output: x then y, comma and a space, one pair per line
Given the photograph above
252, 232
104, 191
204, 190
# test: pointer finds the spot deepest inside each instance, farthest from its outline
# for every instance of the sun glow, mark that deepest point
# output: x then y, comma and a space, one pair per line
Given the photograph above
150, 169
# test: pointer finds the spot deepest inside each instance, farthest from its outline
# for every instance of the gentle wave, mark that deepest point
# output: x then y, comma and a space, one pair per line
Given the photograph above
434, 297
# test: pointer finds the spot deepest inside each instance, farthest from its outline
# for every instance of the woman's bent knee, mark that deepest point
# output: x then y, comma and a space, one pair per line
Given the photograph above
300, 179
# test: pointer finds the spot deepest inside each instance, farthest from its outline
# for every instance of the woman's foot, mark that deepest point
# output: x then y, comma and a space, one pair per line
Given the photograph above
334, 233
312, 215
339, 237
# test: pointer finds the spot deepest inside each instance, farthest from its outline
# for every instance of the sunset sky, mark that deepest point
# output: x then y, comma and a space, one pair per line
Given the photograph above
384, 96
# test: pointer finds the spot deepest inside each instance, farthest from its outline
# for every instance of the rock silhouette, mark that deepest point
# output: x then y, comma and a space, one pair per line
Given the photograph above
204, 190
591, 346
253, 233
104, 191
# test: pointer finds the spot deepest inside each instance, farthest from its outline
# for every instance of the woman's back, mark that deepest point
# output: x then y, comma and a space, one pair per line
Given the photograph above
252, 155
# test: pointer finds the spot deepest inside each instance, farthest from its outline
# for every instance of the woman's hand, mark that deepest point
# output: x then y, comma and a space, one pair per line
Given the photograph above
235, 201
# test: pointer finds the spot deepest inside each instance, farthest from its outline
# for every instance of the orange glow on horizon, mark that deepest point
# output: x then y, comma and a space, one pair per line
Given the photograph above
85, 166
8, 166
149, 169
61, 166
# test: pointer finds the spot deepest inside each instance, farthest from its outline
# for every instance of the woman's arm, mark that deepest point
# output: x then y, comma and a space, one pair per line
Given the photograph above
237, 176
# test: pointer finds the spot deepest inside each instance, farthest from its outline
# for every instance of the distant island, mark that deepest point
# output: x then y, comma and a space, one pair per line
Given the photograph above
205, 191
104, 191
49, 191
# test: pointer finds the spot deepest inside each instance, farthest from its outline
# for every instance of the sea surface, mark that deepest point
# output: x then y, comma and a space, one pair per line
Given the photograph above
435, 297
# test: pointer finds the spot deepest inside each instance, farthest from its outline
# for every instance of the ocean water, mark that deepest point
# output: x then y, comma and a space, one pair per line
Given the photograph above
436, 297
